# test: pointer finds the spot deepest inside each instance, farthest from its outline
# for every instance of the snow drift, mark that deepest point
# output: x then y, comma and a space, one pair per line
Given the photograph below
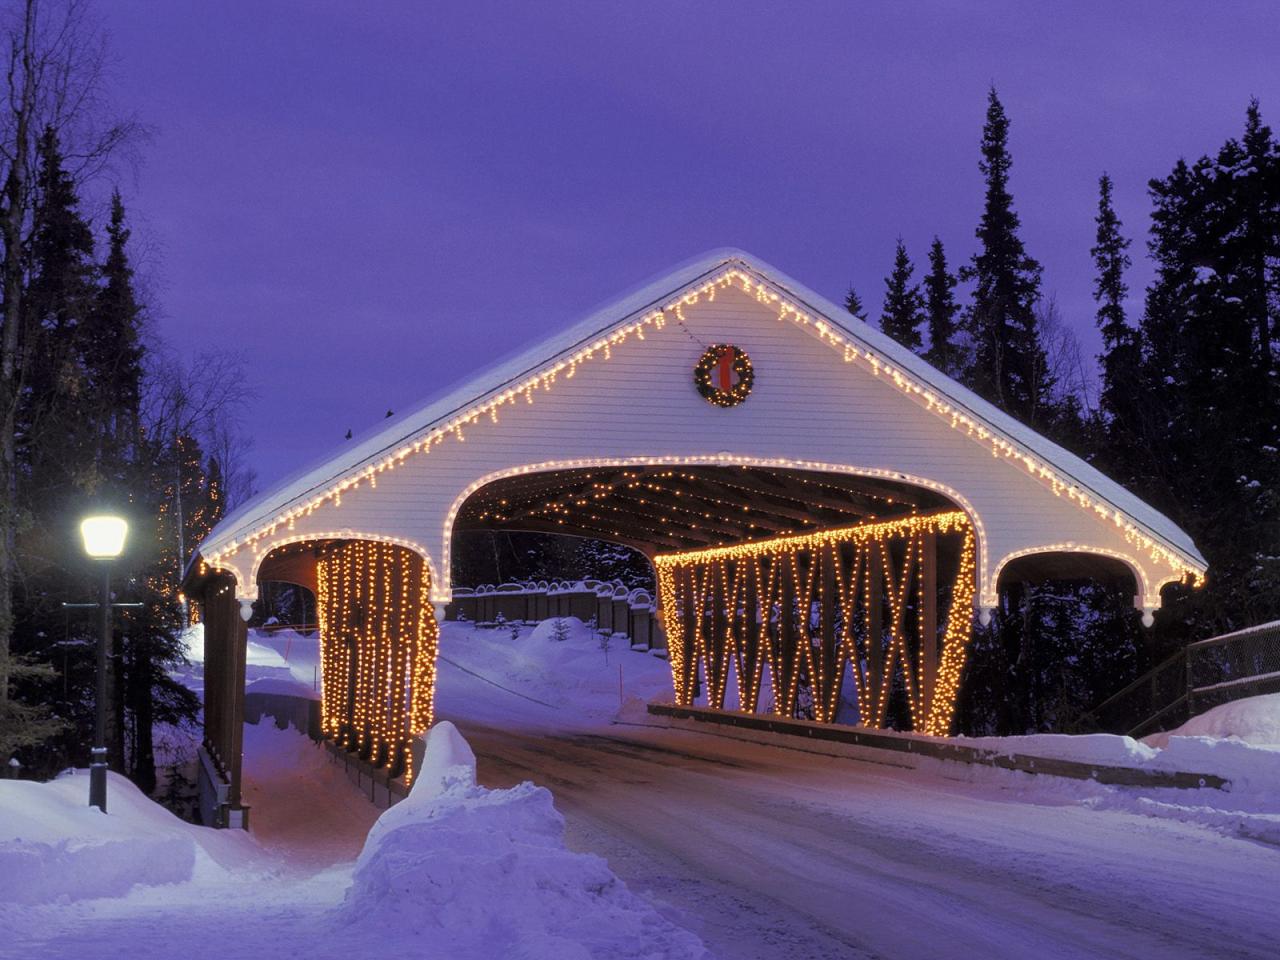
1254, 720
484, 873
577, 676
54, 847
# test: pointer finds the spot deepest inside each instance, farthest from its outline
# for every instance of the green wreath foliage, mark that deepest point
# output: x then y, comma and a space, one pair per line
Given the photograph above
741, 366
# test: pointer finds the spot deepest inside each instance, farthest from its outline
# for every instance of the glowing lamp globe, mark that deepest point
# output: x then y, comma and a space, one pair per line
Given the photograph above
103, 536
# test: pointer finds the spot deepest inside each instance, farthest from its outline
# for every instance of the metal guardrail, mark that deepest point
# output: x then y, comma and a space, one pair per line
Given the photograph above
1200, 676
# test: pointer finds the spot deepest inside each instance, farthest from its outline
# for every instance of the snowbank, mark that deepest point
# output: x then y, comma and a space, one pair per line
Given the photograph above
576, 675
1254, 720
1101, 748
480, 873
55, 847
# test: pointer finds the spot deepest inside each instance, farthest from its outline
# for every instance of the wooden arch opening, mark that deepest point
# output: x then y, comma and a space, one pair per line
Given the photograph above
378, 638
1059, 564
808, 584
663, 508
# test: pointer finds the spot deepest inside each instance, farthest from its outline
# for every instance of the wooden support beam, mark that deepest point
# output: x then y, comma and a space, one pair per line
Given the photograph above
689, 658
534, 495
751, 659
854, 485
642, 538
757, 502
738, 508
928, 607
877, 684
777, 486
832, 671
676, 509
717, 643
784, 699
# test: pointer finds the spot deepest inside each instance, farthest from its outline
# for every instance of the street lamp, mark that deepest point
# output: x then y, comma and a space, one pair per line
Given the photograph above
103, 540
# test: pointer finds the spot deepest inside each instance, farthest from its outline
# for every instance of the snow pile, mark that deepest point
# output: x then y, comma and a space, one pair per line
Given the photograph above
55, 847
480, 873
1254, 720
576, 675
282, 662
1100, 748
1239, 741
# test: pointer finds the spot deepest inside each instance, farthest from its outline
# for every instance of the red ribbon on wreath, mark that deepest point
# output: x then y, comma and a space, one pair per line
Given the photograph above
724, 363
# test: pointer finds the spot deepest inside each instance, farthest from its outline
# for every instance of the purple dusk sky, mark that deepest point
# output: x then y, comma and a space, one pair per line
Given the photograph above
373, 200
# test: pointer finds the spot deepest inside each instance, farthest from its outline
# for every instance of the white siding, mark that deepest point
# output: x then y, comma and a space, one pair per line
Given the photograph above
808, 404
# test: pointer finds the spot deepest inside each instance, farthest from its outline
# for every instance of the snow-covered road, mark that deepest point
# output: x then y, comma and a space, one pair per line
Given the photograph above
772, 853
760, 851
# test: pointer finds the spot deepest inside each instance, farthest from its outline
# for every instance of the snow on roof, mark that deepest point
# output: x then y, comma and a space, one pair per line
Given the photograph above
394, 432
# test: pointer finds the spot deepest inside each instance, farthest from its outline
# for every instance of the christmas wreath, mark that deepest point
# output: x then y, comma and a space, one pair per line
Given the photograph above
724, 375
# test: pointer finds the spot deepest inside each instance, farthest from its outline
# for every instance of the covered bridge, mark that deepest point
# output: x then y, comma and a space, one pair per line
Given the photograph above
818, 504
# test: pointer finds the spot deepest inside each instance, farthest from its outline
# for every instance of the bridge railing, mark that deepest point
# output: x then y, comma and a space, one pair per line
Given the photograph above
1200, 676
607, 604
1241, 664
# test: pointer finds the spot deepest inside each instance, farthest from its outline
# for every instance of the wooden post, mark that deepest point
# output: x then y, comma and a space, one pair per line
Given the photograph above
717, 661
689, 657
872, 714
928, 608
827, 694
239, 637
787, 641
749, 664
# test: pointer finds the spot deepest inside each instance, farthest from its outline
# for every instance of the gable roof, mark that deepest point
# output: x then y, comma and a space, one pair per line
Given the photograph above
444, 409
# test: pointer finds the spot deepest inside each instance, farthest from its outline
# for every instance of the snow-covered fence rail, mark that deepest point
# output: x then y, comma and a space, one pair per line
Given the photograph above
1202, 675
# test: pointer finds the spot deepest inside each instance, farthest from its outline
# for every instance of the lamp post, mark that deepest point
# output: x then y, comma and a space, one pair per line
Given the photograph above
104, 541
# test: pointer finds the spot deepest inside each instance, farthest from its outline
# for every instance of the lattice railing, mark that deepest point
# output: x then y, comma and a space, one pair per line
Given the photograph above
858, 602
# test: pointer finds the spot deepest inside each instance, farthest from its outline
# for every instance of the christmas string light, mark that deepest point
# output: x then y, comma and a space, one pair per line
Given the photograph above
374, 611
697, 584
764, 292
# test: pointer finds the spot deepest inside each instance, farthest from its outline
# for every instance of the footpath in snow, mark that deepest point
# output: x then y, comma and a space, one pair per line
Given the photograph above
720, 844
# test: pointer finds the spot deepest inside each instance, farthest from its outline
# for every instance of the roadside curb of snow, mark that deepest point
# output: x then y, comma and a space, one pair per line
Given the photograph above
1259, 827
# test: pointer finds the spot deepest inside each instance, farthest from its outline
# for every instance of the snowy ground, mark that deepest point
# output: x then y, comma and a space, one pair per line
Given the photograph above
758, 851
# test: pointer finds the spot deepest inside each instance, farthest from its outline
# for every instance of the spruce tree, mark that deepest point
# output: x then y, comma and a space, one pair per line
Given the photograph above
1208, 450
57, 420
1009, 365
113, 351
1121, 351
853, 303
941, 310
903, 312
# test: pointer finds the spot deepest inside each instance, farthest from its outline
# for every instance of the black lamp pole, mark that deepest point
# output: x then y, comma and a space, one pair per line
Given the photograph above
98, 765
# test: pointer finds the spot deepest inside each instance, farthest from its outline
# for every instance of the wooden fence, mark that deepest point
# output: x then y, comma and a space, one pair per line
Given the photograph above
609, 605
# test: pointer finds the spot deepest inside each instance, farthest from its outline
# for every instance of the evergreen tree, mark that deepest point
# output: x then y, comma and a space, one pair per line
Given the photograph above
1121, 350
903, 313
113, 351
59, 410
1009, 365
853, 303
57, 418
87, 446
1208, 439
940, 307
